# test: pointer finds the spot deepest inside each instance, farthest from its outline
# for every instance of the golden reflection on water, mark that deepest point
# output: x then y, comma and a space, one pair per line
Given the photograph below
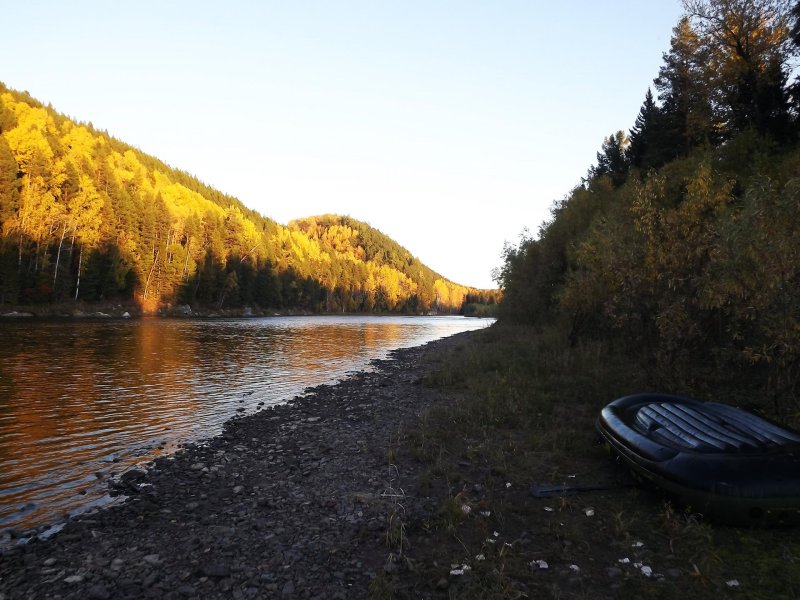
82, 399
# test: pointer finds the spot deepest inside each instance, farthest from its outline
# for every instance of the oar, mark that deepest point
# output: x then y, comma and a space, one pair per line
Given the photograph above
550, 490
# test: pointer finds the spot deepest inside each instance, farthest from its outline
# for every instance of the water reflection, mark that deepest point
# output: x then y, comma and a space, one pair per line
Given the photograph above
81, 400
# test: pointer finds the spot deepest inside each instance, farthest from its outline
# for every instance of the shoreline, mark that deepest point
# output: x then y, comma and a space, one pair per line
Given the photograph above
290, 501
124, 311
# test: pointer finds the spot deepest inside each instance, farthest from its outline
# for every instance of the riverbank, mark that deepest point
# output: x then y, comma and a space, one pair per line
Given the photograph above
129, 310
291, 501
132, 310
412, 481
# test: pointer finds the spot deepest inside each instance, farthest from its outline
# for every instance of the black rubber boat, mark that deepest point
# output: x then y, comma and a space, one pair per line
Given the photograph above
725, 463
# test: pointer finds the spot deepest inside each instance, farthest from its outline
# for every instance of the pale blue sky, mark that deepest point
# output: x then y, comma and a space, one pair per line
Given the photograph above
447, 125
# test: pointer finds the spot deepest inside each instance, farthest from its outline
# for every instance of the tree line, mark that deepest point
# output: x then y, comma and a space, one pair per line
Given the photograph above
680, 245
84, 216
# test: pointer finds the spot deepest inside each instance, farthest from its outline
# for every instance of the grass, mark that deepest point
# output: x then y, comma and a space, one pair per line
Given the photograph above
521, 410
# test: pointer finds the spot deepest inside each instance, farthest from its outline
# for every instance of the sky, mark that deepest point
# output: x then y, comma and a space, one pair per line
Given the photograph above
448, 125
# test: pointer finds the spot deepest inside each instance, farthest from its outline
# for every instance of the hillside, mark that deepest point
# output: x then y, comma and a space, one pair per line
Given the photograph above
87, 217
681, 244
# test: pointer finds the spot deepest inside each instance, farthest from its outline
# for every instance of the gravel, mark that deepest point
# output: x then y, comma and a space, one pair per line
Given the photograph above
289, 502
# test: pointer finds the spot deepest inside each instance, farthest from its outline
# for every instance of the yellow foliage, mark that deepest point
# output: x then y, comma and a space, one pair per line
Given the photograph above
167, 228
85, 209
298, 245
182, 202
28, 140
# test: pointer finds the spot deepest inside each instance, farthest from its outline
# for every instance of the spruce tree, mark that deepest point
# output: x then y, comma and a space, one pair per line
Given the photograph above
644, 151
685, 93
612, 160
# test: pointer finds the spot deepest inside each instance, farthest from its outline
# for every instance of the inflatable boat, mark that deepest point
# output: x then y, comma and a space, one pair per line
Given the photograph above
725, 463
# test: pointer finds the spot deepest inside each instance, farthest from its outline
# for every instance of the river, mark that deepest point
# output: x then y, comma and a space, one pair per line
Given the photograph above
81, 401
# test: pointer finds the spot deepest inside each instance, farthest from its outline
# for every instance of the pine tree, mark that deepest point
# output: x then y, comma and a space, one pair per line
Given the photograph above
645, 150
612, 160
685, 93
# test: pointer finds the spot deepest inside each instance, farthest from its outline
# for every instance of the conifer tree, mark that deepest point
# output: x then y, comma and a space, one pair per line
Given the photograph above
794, 31
612, 159
645, 149
685, 93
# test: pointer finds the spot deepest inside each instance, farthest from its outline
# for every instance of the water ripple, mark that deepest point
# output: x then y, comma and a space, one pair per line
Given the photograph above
82, 400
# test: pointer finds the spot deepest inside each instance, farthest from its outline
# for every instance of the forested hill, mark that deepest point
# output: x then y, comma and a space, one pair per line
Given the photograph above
85, 216
682, 244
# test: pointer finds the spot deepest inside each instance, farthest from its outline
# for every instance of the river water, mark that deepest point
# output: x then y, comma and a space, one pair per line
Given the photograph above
83, 400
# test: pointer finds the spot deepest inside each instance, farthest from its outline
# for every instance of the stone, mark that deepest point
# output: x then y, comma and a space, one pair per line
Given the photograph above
98, 592
133, 475
216, 570
151, 578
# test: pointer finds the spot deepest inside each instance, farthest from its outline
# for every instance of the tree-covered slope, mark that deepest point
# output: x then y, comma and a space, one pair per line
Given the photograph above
361, 253
85, 216
683, 242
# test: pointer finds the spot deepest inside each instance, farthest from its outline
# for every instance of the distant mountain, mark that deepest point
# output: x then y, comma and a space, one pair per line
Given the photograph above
85, 216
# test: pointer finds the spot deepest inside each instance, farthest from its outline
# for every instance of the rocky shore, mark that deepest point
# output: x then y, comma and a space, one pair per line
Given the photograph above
292, 502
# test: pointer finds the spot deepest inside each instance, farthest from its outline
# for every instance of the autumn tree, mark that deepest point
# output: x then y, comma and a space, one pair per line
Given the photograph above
85, 216
746, 42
